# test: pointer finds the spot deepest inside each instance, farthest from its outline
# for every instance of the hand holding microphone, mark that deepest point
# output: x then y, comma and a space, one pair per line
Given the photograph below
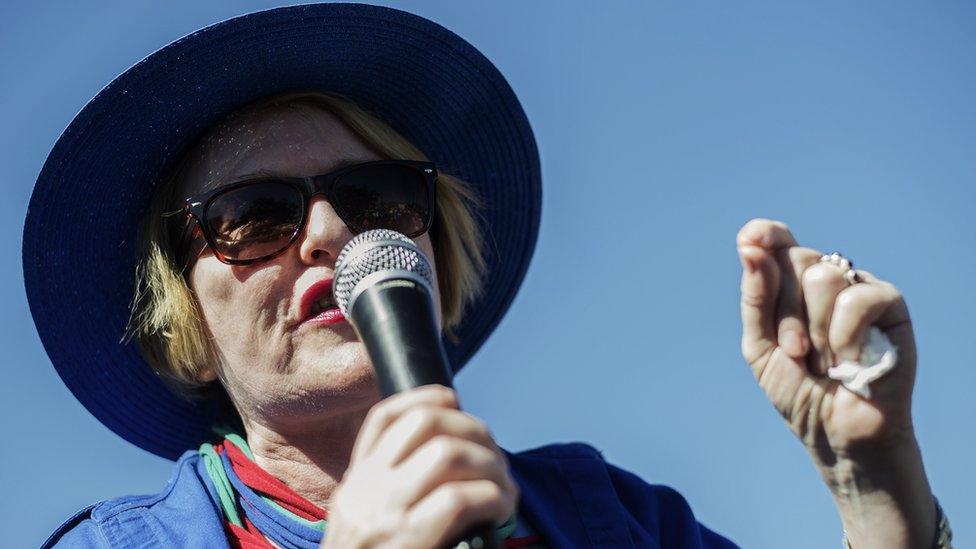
422, 473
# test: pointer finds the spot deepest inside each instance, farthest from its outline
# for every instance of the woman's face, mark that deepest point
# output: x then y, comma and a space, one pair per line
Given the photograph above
271, 362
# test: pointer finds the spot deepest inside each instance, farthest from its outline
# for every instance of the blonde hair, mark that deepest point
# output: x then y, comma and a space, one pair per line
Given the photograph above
165, 316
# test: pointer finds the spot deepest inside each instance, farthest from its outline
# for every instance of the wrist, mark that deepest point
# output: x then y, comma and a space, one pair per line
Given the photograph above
878, 470
943, 533
883, 496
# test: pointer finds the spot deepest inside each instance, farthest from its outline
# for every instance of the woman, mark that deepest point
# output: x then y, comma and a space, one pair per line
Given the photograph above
237, 334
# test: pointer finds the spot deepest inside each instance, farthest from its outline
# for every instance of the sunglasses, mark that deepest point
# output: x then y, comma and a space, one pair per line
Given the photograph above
258, 218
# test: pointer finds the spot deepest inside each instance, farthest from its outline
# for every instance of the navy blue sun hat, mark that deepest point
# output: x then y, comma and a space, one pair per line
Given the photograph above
79, 250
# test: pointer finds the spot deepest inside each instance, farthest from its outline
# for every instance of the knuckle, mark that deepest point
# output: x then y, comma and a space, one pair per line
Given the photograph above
444, 395
448, 452
494, 493
848, 301
479, 427
892, 290
821, 276
380, 413
421, 419
453, 499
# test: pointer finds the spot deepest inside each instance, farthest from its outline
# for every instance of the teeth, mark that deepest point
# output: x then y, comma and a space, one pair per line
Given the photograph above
320, 305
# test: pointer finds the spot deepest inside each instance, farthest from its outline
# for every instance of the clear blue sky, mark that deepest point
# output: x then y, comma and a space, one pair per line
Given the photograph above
662, 128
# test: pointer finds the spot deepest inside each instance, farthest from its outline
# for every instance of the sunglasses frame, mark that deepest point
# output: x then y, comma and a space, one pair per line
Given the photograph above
196, 206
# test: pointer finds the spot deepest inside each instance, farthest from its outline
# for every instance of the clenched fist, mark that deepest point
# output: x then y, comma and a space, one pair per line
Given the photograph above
801, 316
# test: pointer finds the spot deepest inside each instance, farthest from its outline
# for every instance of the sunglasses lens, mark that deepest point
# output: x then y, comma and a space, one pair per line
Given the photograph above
383, 197
256, 220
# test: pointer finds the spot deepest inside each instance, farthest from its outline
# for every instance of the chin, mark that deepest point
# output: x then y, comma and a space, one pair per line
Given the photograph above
340, 368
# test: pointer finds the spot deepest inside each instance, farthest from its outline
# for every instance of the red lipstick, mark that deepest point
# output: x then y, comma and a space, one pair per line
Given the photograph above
318, 298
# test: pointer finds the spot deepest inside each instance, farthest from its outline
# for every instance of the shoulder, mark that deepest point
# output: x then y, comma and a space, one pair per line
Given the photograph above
651, 513
183, 506
587, 464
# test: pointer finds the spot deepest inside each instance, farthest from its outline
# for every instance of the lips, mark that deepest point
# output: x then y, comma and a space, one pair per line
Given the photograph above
316, 303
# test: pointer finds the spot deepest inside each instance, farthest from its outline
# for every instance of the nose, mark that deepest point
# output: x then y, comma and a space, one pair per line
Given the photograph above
325, 234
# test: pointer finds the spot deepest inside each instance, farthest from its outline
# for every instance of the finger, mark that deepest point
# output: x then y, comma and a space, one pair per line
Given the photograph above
822, 283
759, 291
448, 511
421, 423
447, 459
760, 236
389, 409
765, 233
792, 333
857, 308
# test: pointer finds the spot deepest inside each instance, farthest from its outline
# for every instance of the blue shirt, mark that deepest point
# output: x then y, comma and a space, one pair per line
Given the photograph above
569, 494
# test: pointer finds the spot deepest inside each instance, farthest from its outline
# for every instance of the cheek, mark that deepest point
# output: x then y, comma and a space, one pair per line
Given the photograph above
233, 310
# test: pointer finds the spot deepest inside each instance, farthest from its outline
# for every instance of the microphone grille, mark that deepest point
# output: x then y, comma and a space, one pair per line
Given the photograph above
374, 251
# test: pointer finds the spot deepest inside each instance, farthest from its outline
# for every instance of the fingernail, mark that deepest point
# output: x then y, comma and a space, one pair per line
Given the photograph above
793, 343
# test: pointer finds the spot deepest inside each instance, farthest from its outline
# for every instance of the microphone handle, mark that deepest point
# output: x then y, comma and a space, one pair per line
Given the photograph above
395, 321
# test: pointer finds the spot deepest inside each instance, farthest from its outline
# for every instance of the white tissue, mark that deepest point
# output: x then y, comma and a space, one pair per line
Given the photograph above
878, 354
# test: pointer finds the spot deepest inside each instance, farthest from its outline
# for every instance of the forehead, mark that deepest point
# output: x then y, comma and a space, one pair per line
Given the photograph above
288, 140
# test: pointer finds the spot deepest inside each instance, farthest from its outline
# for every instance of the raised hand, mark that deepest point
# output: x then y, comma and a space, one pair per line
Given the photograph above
799, 317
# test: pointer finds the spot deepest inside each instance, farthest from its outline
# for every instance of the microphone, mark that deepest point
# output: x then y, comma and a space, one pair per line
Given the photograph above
384, 285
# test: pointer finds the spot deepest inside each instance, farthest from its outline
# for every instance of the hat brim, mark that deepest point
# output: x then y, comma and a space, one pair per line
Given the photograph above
79, 235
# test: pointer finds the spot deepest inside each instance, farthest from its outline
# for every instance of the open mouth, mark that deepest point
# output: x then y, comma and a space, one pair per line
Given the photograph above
321, 305
317, 304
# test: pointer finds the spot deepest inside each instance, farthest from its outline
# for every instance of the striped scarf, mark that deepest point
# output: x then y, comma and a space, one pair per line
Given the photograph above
258, 509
